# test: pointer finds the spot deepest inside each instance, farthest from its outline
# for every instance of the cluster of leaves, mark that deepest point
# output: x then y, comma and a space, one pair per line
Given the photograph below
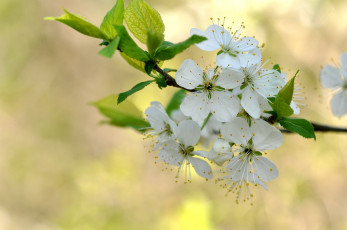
146, 25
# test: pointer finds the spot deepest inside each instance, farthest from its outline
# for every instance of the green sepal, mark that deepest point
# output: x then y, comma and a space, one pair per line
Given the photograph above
128, 46
110, 49
257, 153
277, 67
113, 17
220, 52
299, 126
123, 115
167, 51
160, 80
175, 101
168, 70
243, 86
140, 18
136, 88
80, 24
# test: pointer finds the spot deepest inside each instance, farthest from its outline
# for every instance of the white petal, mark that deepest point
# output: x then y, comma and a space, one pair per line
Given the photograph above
265, 136
269, 83
188, 132
178, 116
330, 77
156, 119
295, 108
343, 60
189, 75
170, 154
196, 106
224, 106
252, 58
208, 45
245, 44
158, 105
220, 35
201, 167
264, 106
250, 102
230, 79
237, 131
225, 60
239, 168
265, 169
339, 103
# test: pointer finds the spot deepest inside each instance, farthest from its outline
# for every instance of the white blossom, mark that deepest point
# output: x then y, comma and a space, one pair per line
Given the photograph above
162, 127
336, 78
243, 149
258, 84
211, 95
233, 49
181, 153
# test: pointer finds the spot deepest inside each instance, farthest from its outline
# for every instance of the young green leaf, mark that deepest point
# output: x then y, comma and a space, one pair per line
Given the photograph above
149, 66
136, 88
140, 18
287, 91
128, 46
175, 101
281, 108
154, 39
80, 24
123, 115
109, 50
139, 65
299, 126
168, 51
113, 17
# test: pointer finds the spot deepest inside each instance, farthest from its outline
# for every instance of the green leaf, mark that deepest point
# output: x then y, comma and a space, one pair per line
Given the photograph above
141, 18
149, 66
154, 39
299, 126
113, 17
287, 91
128, 46
139, 65
136, 88
123, 115
109, 50
80, 24
277, 67
175, 101
168, 51
160, 80
282, 108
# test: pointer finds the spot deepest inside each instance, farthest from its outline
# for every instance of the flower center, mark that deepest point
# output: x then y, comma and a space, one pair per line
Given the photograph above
186, 151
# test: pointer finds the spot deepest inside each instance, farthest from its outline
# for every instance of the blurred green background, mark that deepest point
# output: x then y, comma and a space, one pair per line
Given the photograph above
60, 169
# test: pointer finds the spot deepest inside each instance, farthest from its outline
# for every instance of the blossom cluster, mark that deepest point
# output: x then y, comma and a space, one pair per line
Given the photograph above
226, 105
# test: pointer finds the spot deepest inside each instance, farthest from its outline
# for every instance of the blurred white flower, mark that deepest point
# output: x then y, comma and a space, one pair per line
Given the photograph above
211, 94
336, 78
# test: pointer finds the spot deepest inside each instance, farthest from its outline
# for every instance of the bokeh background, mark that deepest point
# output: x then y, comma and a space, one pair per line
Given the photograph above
60, 169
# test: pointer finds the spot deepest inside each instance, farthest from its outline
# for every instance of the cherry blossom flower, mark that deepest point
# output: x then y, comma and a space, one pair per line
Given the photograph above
336, 78
181, 153
162, 127
243, 149
211, 95
233, 49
